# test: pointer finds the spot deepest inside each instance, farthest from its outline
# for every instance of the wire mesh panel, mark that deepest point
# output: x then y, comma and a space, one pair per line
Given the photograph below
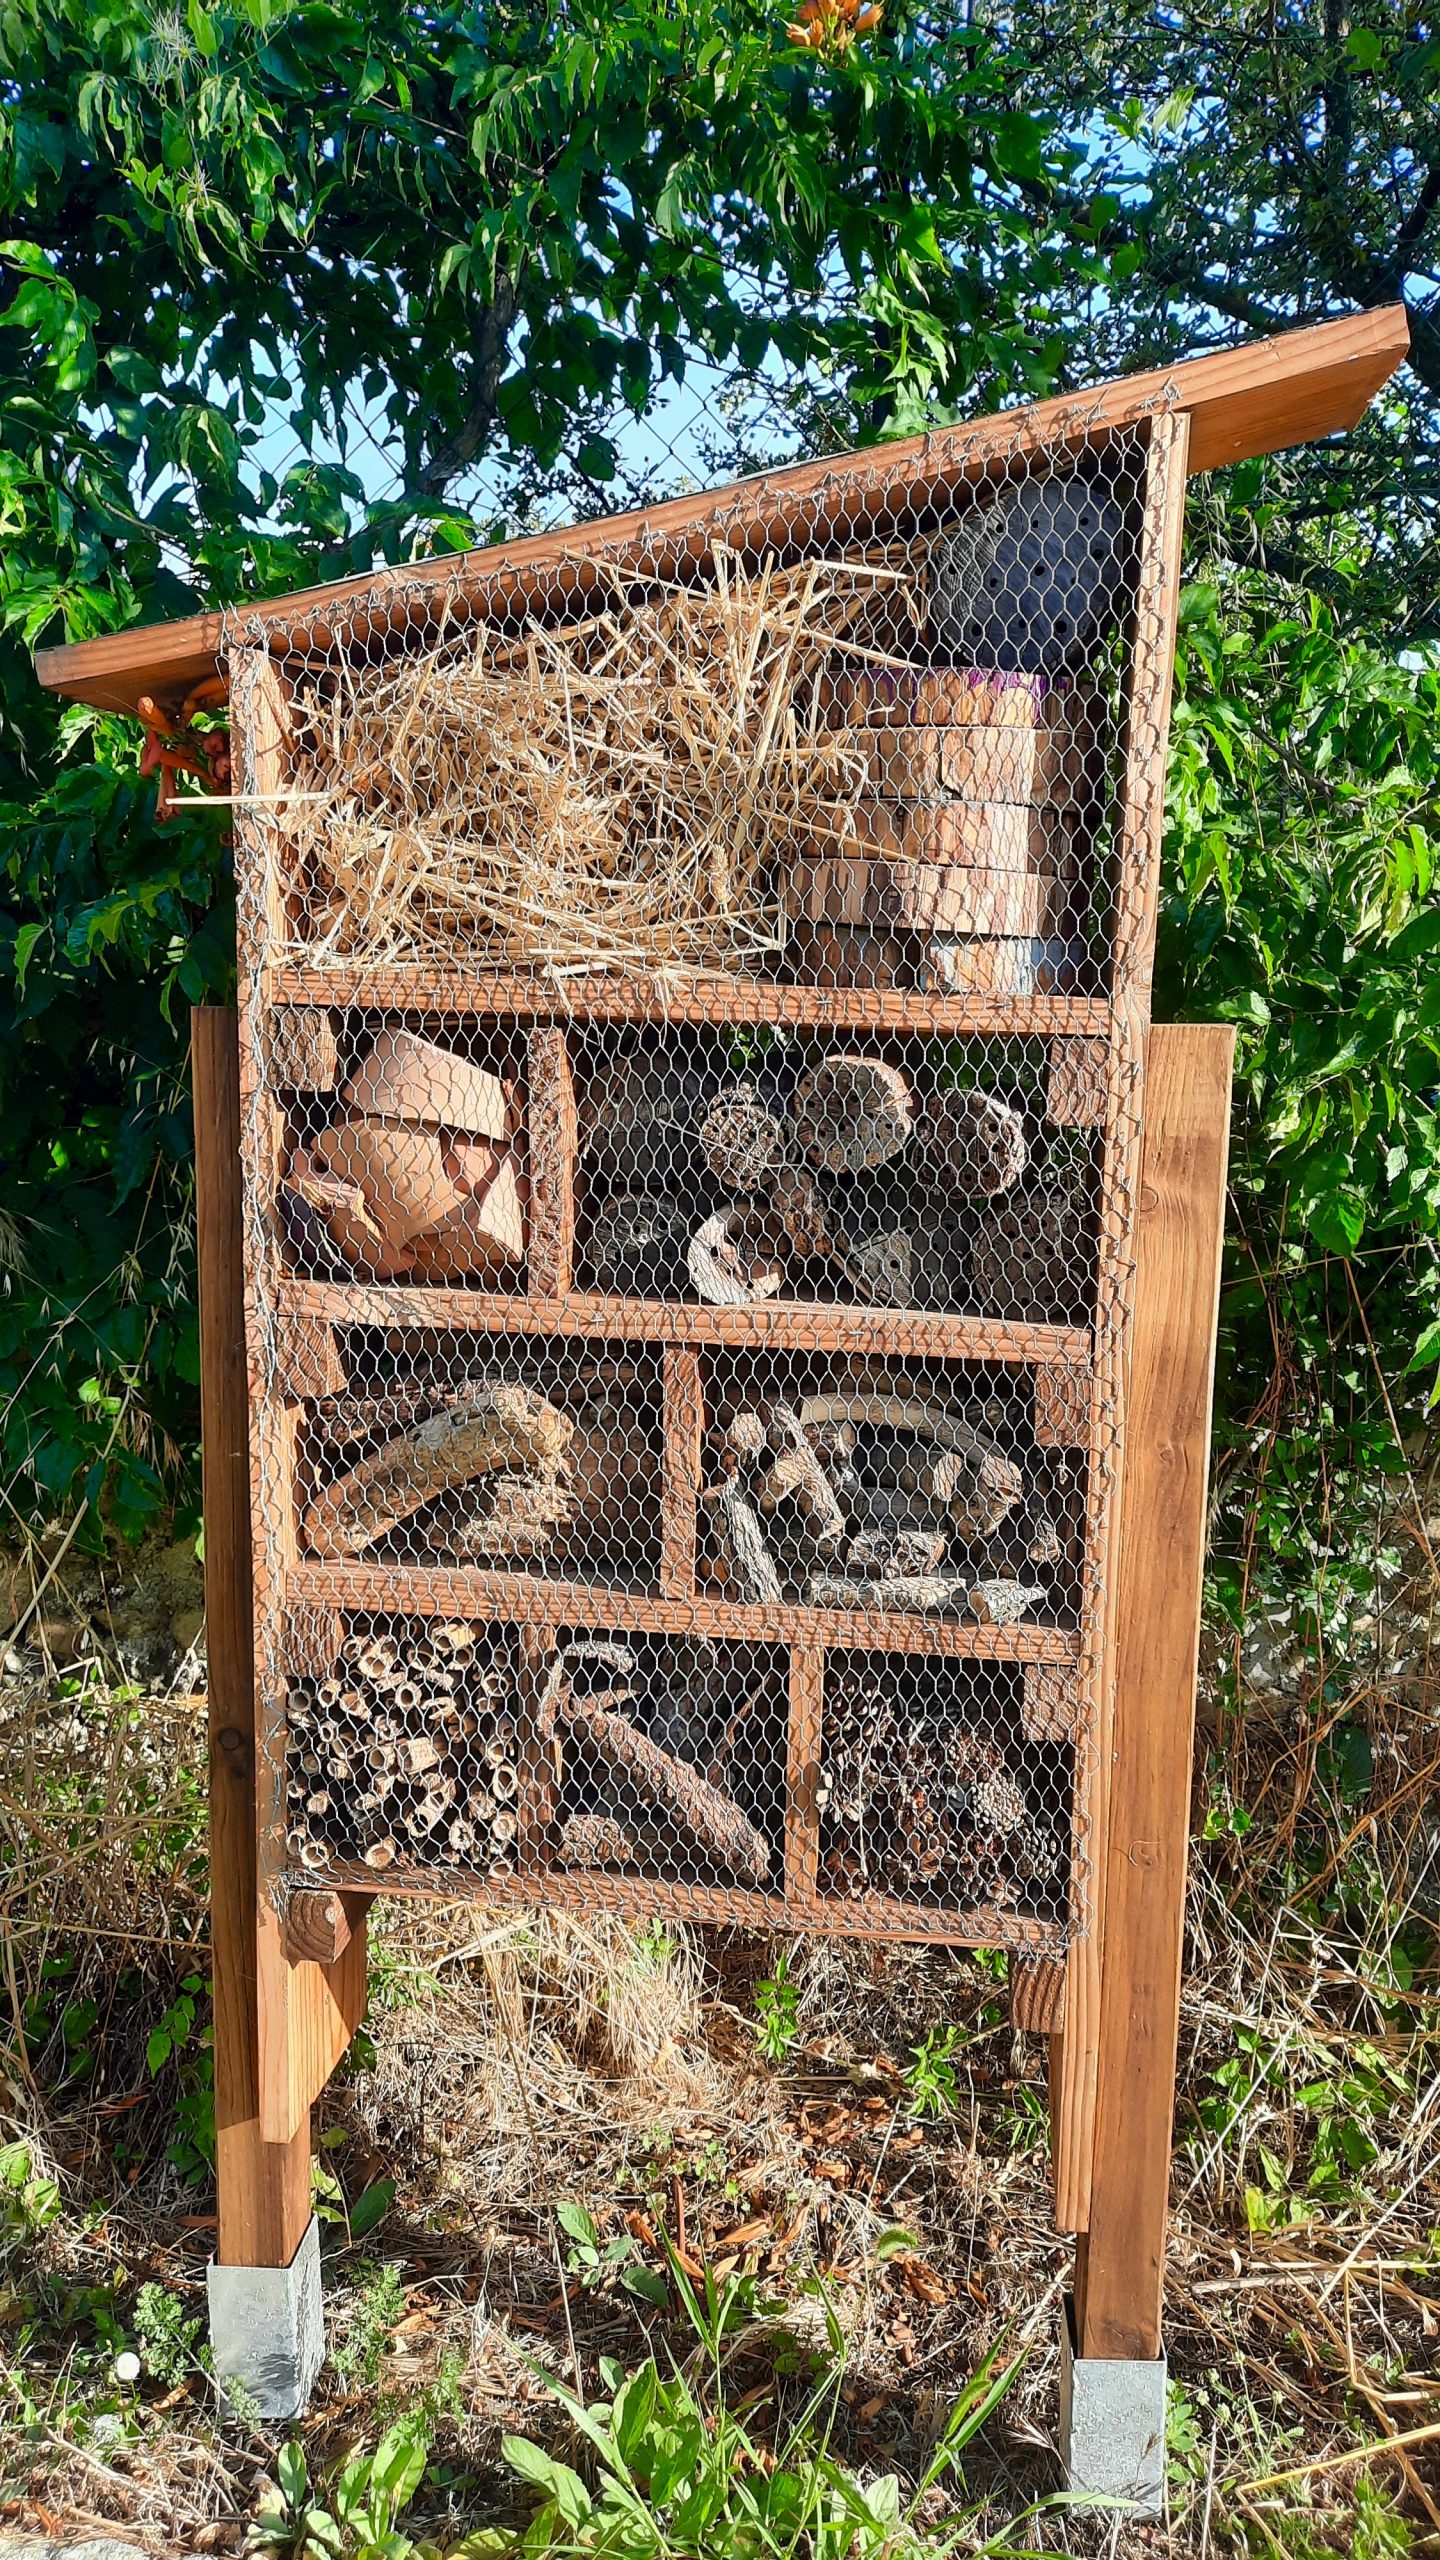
694, 979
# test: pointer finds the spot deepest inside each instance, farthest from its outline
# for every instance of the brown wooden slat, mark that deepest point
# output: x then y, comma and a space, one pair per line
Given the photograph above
1141, 829
640, 1898
420, 988
441, 1591
553, 1141
684, 1423
1249, 400
779, 1325
802, 1778
1161, 1559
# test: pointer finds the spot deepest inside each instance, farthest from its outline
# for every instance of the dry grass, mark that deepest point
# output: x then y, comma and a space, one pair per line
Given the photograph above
617, 792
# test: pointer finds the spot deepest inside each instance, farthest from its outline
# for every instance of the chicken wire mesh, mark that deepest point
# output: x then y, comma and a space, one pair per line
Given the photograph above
693, 977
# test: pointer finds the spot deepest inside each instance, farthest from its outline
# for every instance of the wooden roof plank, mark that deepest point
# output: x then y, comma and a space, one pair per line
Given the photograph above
1244, 401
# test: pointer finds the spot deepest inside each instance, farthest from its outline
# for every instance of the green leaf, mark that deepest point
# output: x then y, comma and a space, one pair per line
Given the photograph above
26, 942
370, 2207
577, 2224
557, 2481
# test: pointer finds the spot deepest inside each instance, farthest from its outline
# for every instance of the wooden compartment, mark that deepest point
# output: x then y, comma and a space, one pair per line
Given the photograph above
445, 1449
880, 1489
931, 1792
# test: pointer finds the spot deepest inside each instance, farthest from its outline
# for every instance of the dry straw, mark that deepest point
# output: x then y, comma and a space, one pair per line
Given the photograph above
618, 792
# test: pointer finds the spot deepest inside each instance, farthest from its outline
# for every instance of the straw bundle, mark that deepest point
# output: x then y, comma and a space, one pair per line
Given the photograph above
619, 792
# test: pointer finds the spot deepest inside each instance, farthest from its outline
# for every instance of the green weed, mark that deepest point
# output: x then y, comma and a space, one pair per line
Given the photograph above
930, 2073
777, 2012
379, 2304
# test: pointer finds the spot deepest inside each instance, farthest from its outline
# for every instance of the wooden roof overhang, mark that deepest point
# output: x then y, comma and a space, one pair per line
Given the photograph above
1248, 400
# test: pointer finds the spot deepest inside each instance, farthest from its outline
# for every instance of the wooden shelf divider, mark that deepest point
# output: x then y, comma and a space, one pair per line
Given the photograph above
684, 1427
802, 1777
419, 988
552, 1134
519, 1599
779, 1325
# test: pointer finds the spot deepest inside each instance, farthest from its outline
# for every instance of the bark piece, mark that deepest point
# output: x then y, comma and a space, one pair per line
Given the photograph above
1078, 1092
677, 1790
851, 1114
897, 1554
403, 1077
741, 1141
503, 1427
520, 1517
796, 1476
979, 1487
1003, 1603
751, 1563
597, 1840
485, 1233
304, 1052
974, 1141
926, 1593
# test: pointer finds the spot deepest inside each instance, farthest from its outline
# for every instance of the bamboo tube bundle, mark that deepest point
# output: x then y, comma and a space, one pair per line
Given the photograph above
408, 1754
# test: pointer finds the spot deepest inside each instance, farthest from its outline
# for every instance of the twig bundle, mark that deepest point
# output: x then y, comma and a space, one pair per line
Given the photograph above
617, 792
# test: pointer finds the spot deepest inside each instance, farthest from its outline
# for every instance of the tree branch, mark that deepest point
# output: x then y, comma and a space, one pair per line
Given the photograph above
489, 350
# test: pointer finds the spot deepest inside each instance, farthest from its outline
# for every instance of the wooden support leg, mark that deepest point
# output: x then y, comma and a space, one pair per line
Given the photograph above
264, 2187
1120, 2264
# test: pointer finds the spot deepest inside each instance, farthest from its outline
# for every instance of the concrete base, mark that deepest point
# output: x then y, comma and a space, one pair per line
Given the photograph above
1112, 2426
267, 2332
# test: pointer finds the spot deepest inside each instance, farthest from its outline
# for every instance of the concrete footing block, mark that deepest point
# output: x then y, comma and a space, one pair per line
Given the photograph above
1112, 2425
267, 2331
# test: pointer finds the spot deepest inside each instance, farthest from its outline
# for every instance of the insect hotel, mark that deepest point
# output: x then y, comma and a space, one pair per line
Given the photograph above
708, 1276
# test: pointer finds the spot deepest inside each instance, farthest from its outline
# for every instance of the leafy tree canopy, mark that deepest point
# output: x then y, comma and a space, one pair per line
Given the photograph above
1241, 170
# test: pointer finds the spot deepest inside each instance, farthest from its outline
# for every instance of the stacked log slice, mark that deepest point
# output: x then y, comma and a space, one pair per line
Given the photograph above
969, 833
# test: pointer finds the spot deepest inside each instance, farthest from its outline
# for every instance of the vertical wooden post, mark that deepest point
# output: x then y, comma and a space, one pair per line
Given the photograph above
1141, 821
264, 2187
1120, 2265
